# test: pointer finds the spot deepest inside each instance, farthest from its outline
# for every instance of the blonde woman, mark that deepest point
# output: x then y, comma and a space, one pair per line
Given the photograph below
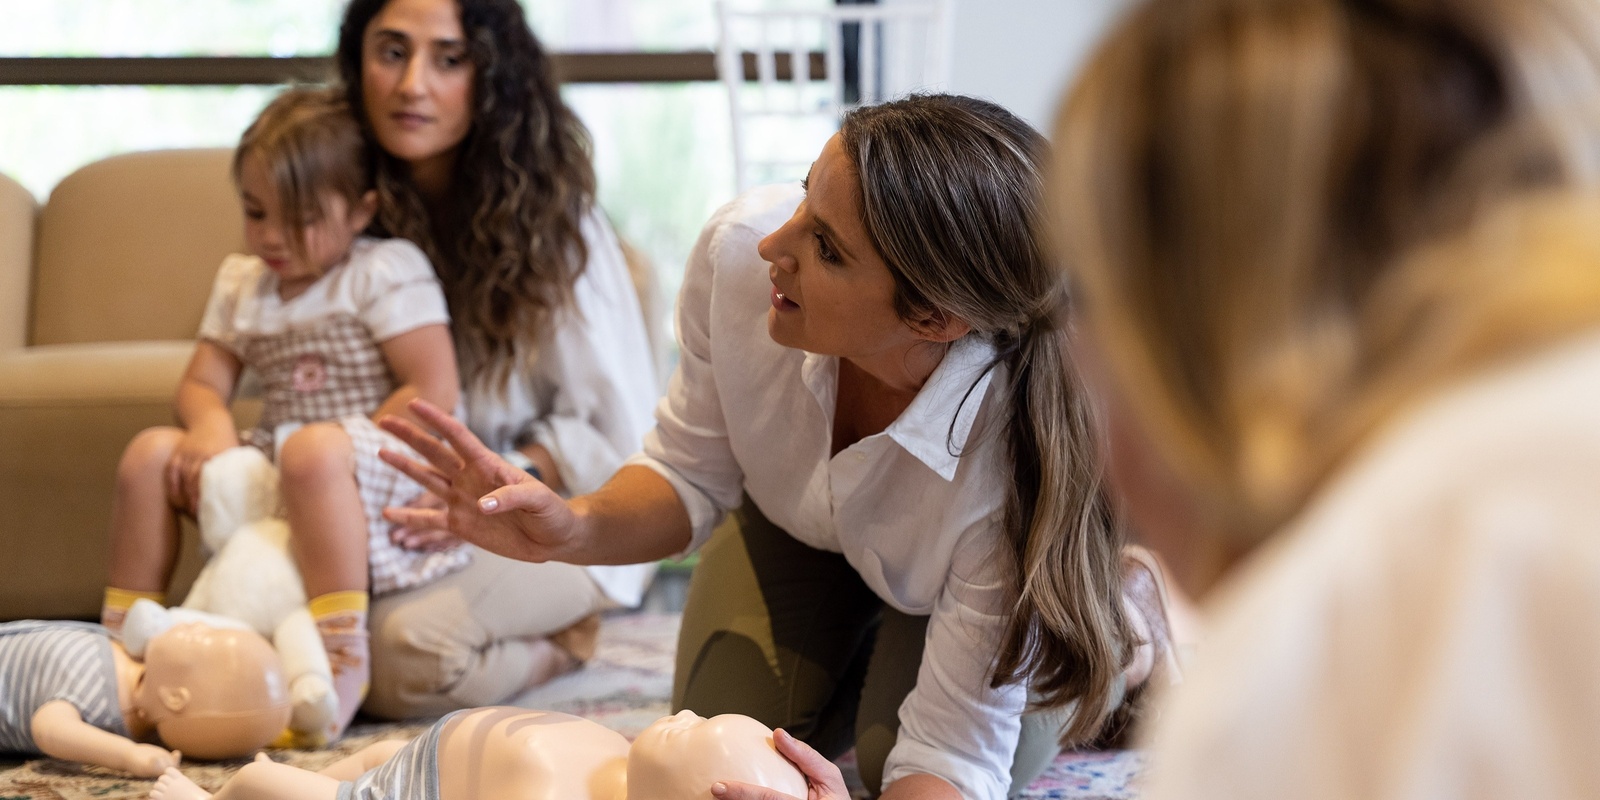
1339, 267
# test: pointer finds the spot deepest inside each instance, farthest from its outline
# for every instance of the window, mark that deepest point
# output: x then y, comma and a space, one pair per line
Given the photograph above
662, 151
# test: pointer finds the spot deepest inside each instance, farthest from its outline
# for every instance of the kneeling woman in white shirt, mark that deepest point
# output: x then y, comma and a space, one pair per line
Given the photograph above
874, 375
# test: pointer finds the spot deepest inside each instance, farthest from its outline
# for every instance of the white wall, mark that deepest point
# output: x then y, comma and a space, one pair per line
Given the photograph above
1023, 53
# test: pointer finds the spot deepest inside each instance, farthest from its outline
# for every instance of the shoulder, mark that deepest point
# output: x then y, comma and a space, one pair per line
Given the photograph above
239, 270
390, 259
751, 216
1503, 460
1455, 551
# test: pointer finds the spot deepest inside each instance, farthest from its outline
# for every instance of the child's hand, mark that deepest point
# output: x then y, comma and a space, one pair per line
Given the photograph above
149, 761
423, 537
193, 451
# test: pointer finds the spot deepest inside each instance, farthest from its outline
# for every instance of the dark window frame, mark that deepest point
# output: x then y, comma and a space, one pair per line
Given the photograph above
688, 66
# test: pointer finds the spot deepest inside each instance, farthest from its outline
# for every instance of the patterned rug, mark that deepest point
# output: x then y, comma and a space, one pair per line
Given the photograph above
625, 687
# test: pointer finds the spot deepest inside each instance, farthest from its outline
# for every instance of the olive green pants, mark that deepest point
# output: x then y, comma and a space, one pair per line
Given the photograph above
792, 636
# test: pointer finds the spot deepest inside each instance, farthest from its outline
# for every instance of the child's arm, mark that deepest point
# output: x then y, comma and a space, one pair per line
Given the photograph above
60, 732
202, 407
424, 365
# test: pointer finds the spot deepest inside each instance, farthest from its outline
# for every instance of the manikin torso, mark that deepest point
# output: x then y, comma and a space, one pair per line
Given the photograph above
513, 754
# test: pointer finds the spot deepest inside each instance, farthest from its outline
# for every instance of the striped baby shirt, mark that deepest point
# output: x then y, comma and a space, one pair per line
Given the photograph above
412, 773
41, 662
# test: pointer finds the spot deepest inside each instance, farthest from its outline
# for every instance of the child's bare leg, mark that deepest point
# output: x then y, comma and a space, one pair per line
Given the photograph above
348, 769
328, 539
327, 524
144, 523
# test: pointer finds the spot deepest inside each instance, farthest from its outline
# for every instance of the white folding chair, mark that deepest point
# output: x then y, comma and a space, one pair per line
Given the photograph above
782, 118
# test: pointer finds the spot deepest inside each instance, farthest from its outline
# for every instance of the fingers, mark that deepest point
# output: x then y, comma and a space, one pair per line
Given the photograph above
818, 770
436, 452
418, 518
191, 484
421, 538
429, 478
174, 480
466, 444
427, 500
734, 790
530, 495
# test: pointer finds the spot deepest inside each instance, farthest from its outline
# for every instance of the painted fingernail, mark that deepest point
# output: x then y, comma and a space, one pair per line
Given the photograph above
719, 788
489, 504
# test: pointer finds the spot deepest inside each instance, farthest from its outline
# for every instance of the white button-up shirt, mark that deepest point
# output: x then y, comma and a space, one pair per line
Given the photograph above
915, 509
586, 393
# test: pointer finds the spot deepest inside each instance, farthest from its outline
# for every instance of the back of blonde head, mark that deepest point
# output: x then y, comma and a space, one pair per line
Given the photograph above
1288, 219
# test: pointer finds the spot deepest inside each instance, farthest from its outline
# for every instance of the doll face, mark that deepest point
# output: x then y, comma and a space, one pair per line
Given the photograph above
679, 757
213, 693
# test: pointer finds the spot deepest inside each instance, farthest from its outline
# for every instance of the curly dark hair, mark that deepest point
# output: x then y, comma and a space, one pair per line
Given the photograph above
509, 247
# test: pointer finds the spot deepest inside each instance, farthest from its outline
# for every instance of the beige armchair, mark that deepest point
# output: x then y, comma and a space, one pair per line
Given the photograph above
101, 291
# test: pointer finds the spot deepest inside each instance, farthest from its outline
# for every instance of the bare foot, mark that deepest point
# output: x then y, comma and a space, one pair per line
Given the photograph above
580, 639
172, 785
548, 663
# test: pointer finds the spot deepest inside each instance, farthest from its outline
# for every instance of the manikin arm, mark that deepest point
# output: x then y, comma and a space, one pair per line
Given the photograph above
60, 732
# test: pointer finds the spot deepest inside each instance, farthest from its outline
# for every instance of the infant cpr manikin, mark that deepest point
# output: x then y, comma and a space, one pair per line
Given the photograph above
503, 753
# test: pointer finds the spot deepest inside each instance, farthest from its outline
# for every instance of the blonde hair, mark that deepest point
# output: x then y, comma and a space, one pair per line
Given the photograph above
950, 187
313, 149
1290, 218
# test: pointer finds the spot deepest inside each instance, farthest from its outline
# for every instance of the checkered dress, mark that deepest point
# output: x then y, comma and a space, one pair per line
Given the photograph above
335, 372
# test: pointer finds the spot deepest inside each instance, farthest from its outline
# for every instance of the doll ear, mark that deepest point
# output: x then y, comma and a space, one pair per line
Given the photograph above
174, 698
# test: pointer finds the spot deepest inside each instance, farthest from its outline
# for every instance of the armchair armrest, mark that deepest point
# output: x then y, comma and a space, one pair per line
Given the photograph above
66, 414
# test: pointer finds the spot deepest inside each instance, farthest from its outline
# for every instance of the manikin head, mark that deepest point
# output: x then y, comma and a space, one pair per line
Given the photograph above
213, 693
679, 757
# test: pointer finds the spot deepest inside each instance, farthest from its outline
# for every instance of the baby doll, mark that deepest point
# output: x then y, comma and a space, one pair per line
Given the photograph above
71, 692
340, 328
502, 753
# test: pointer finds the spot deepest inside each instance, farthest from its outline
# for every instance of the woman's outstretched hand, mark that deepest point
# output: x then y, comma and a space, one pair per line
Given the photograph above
480, 491
823, 779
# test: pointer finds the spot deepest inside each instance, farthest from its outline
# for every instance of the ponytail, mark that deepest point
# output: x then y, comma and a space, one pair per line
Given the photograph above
1067, 632
949, 186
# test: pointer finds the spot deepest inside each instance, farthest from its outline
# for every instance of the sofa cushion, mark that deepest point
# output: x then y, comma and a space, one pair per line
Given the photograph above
18, 216
128, 246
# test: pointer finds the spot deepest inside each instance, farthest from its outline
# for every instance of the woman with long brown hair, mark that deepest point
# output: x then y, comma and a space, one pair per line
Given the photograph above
479, 162
872, 382
1338, 262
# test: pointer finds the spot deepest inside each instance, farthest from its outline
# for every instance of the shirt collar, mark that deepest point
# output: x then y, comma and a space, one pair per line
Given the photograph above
954, 392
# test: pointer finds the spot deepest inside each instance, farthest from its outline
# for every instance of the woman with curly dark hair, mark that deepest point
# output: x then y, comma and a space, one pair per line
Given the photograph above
479, 162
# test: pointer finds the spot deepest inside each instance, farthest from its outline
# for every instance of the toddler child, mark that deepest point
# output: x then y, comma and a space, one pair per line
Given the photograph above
340, 329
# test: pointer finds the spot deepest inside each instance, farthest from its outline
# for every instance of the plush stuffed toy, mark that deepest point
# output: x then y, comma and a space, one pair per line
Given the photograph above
252, 580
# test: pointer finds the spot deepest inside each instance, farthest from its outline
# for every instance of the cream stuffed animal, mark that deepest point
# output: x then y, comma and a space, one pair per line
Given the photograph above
251, 578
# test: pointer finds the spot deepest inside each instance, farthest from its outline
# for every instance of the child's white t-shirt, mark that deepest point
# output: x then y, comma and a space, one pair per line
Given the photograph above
388, 284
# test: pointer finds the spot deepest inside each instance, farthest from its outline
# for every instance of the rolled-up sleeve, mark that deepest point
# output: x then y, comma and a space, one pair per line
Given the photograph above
953, 725
689, 444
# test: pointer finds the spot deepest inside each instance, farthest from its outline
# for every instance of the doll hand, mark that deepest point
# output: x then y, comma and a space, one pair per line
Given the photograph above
149, 761
823, 779
478, 487
429, 538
